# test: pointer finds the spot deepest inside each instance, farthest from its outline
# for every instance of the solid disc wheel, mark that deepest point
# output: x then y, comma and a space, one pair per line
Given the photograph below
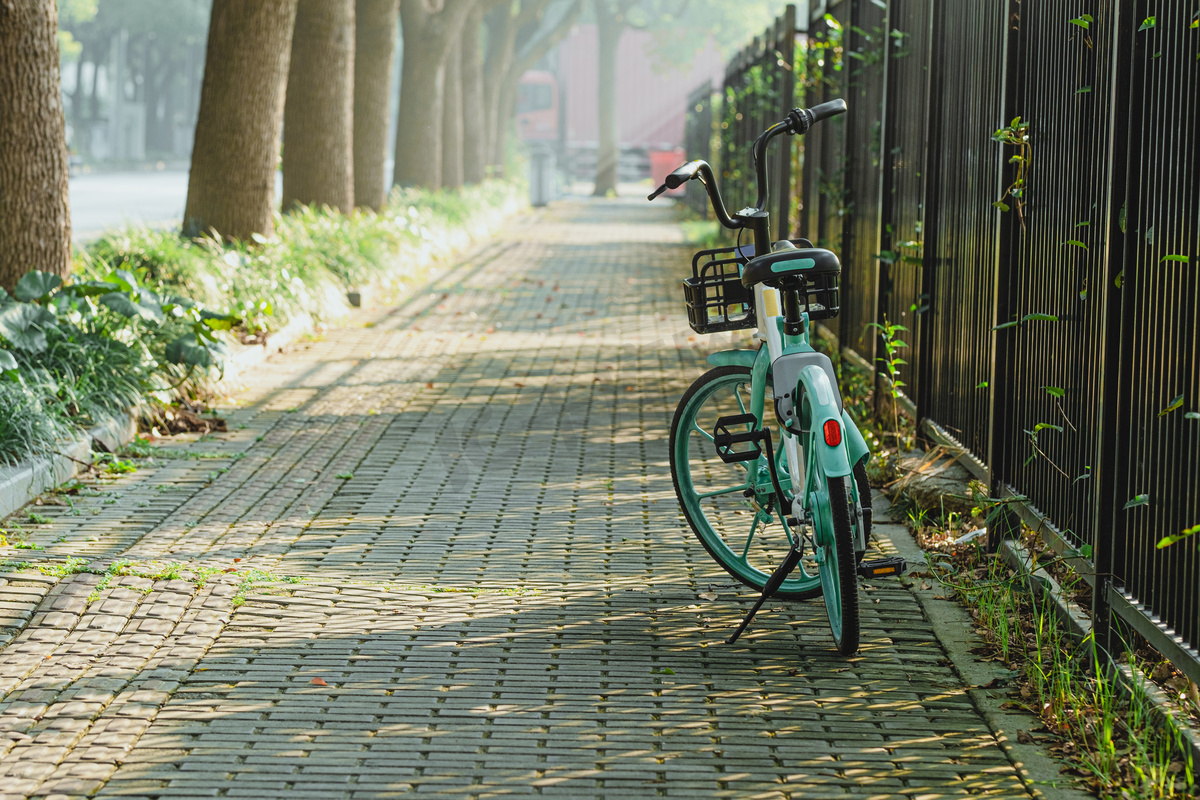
837, 566
744, 534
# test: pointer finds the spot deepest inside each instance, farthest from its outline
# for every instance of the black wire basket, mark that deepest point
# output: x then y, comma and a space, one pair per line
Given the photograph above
716, 300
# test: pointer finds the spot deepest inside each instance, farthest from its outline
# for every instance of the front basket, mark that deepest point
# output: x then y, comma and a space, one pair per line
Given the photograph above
716, 300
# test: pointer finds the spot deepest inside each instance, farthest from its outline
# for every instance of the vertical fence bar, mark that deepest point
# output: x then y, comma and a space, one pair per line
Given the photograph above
1109, 434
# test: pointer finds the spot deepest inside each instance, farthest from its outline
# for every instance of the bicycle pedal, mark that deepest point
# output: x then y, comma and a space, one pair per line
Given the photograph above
882, 567
726, 439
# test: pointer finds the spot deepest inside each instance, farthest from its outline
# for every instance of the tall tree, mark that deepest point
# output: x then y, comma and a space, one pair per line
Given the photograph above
533, 46
375, 23
610, 24
504, 22
452, 122
681, 28
318, 121
35, 226
474, 108
430, 29
518, 37
232, 184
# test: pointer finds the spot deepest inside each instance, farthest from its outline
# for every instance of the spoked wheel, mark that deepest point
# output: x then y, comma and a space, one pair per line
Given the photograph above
731, 507
836, 561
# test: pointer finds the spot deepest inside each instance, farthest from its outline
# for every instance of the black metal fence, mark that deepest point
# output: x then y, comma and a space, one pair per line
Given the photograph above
698, 140
1016, 183
759, 81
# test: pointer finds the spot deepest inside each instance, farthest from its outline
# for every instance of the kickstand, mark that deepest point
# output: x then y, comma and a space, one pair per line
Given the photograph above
773, 583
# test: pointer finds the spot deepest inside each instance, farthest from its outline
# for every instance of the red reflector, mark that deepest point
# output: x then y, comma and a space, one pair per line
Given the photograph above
833, 433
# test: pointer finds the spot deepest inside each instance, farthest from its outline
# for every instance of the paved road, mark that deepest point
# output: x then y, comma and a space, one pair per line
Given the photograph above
441, 553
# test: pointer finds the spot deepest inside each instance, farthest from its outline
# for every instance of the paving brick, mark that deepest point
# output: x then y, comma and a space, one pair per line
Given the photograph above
487, 603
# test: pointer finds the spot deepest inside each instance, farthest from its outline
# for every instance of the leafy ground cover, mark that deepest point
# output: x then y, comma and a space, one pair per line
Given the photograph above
144, 320
1109, 740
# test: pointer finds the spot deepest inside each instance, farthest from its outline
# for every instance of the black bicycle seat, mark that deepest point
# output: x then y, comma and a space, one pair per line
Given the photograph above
801, 261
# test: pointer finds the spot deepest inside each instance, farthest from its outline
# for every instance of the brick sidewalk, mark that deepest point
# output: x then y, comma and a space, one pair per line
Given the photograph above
502, 599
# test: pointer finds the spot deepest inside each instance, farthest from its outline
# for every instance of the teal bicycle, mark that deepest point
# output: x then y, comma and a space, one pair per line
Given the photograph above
777, 494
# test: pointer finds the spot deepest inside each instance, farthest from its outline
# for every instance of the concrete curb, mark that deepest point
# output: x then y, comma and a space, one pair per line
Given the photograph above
1079, 626
22, 483
984, 681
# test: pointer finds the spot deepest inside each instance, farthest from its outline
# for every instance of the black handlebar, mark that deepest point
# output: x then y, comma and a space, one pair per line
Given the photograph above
799, 121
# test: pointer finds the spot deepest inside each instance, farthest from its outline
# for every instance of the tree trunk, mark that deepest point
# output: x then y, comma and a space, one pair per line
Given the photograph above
452, 122
232, 184
375, 24
501, 36
474, 118
35, 224
318, 122
609, 30
428, 37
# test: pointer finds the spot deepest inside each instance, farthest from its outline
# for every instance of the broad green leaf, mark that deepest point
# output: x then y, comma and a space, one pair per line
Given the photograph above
1138, 500
188, 350
1002, 325
1192, 415
1083, 295
1000, 204
1150, 235
1174, 404
87, 288
981, 385
1054, 391
219, 322
7, 361
1148, 22
1083, 90
1039, 318
1076, 243
1083, 20
1184, 259
1120, 279
121, 303
1041, 426
36, 285
1082, 224
23, 326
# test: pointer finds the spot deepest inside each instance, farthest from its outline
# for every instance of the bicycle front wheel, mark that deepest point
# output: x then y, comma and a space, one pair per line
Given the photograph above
836, 563
731, 507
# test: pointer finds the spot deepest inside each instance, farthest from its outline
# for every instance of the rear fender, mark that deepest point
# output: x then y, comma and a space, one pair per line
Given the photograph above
822, 398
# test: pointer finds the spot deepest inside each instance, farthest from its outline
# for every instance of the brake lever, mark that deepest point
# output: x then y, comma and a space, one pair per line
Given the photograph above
657, 192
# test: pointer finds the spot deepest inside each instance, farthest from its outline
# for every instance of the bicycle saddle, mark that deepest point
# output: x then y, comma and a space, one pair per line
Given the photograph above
804, 261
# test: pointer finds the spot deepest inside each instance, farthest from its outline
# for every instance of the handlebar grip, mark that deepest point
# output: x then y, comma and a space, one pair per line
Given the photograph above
682, 175
827, 110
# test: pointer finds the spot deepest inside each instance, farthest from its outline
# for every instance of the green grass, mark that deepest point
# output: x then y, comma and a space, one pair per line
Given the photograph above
98, 364
314, 256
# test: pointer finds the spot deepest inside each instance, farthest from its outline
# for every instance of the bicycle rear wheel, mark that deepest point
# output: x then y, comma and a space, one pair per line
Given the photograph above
731, 507
837, 564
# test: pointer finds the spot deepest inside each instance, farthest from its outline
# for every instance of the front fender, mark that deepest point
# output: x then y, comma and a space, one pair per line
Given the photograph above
822, 400
733, 358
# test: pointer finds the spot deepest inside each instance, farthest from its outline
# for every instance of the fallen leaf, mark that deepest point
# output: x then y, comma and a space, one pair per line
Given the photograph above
1025, 738
707, 595
229, 569
318, 682
519, 385
793, 672
236, 560
429, 385
925, 585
